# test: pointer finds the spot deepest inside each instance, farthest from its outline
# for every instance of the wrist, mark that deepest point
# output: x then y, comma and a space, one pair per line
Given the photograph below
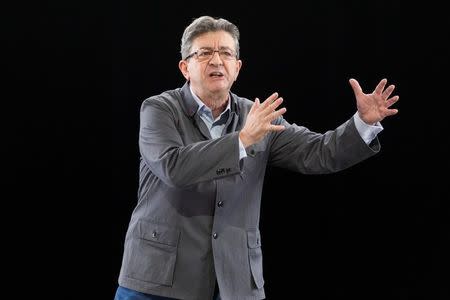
365, 120
244, 139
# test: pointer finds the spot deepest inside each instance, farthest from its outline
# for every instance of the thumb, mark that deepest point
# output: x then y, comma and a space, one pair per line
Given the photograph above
355, 86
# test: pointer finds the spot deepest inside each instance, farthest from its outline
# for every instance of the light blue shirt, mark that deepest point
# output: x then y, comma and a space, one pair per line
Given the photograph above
217, 125
366, 131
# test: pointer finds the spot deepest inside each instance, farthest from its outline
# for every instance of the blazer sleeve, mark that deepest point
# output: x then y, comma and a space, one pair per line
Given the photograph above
178, 165
299, 149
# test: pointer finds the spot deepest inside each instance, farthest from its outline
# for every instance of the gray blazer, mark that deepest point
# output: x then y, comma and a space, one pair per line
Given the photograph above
197, 216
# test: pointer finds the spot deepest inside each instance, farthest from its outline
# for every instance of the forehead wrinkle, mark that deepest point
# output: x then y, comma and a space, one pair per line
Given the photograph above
215, 39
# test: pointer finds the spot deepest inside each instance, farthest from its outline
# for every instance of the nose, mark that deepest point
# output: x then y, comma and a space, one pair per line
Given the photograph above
216, 59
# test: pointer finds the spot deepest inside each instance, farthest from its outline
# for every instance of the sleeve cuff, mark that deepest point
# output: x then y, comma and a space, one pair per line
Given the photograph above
366, 131
242, 152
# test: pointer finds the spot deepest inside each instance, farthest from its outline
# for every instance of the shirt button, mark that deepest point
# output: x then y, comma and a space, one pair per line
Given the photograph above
215, 235
220, 204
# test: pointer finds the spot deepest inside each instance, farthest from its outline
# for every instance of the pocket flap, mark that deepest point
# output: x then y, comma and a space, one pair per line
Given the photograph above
254, 239
255, 148
158, 233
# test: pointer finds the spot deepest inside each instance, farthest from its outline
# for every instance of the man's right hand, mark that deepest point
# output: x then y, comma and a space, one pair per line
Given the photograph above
259, 120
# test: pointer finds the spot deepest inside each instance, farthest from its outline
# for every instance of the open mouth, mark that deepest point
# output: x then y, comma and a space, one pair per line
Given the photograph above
216, 74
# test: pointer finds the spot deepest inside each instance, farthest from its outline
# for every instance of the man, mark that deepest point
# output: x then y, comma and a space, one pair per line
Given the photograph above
204, 150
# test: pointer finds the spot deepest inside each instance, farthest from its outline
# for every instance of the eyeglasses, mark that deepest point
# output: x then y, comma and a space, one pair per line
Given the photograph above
205, 54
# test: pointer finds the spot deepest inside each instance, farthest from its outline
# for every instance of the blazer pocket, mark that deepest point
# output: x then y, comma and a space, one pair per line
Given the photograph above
255, 257
153, 253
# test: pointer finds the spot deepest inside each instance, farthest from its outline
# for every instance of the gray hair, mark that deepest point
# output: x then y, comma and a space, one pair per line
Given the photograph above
203, 25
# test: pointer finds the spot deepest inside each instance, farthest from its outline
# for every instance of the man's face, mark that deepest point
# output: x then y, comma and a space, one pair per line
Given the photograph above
212, 75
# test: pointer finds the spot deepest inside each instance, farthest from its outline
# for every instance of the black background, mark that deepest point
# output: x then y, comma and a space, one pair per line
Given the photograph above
75, 76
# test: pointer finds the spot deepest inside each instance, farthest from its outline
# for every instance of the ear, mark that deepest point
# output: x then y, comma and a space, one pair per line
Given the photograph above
238, 68
183, 66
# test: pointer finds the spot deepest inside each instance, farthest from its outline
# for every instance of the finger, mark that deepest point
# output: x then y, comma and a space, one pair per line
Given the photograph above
391, 112
276, 127
275, 114
380, 87
355, 86
391, 101
280, 112
270, 99
274, 105
387, 92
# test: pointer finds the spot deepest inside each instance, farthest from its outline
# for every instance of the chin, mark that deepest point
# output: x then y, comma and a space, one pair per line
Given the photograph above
220, 85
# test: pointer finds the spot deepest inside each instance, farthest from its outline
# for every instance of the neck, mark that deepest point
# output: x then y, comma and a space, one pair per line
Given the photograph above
217, 110
217, 103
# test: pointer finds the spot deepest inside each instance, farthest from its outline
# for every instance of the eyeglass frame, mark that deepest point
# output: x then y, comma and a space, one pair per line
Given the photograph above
195, 53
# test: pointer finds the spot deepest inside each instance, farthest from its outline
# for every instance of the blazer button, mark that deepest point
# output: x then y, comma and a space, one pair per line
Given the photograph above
215, 235
220, 204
